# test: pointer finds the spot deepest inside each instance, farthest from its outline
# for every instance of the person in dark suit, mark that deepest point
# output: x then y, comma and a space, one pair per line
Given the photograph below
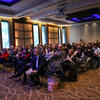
37, 64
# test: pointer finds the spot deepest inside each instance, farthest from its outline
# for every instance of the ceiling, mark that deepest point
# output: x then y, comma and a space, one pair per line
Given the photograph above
48, 10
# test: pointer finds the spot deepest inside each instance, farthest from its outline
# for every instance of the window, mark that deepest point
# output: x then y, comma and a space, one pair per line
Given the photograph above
59, 36
44, 35
36, 34
64, 35
53, 35
5, 34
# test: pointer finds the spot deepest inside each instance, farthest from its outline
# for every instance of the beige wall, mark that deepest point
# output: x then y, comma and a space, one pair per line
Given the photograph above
87, 32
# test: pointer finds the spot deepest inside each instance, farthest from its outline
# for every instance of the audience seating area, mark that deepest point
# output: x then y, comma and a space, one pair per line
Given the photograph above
63, 62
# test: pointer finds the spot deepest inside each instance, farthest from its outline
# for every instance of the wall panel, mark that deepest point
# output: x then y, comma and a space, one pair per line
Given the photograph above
88, 32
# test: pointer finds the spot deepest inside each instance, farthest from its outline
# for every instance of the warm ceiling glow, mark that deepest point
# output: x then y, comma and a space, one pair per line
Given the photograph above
94, 24
65, 25
6, 17
36, 21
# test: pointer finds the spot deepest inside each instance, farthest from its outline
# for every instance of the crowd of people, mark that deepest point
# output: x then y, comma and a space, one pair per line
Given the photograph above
52, 60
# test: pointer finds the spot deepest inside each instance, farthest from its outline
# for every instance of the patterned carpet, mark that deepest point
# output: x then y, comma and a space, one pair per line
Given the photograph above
86, 88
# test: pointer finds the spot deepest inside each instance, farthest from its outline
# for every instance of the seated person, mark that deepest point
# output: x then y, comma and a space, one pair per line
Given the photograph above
69, 65
17, 55
11, 54
89, 55
4, 56
49, 54
97, 55
54, 49
70, 56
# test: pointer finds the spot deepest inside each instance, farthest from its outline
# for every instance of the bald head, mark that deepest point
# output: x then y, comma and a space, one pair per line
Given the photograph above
36, 52
59, 47
12, 47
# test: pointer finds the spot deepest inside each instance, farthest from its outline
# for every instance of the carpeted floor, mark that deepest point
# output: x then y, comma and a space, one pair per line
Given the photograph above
86, 88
